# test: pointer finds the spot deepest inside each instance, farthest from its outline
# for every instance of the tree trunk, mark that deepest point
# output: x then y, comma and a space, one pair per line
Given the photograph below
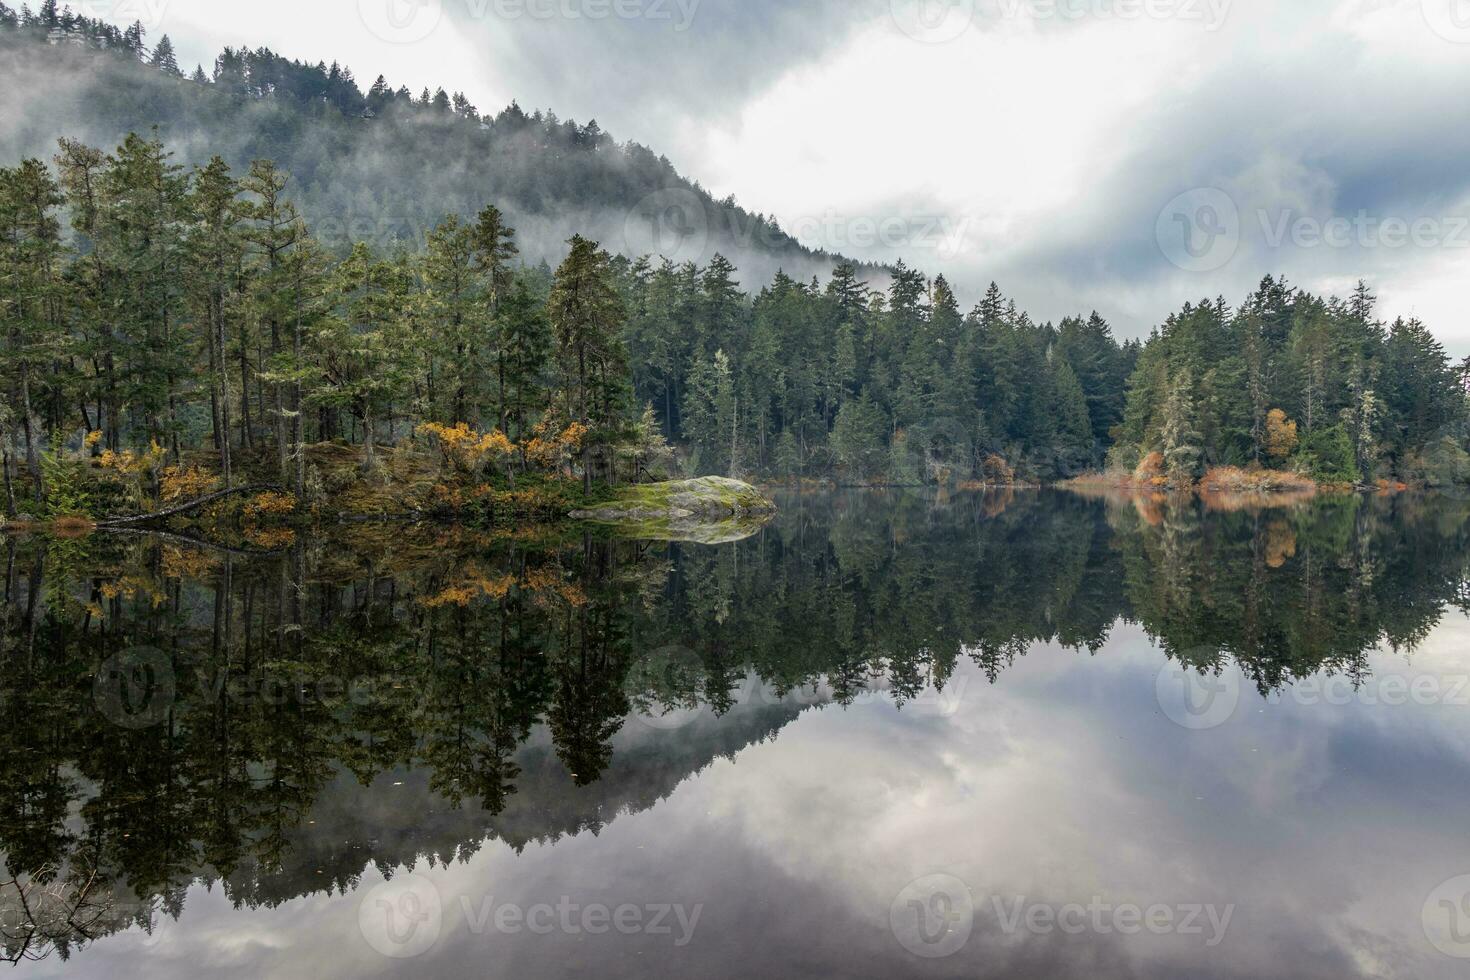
33, 458
219, 385
8, 464
369, 451
298, 423
160, 515
245, 426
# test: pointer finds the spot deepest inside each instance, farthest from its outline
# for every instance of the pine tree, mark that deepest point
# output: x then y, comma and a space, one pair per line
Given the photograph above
1074, 426
858, 438
460, 341
31, 316
133, 40
360, 348
495, 248
587, 316
1180, 434
164, 60
272, 231
215, 250
144, 204
525, 351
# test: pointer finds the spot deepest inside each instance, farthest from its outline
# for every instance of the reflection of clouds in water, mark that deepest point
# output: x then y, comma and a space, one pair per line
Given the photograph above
1326, 826
1074, 788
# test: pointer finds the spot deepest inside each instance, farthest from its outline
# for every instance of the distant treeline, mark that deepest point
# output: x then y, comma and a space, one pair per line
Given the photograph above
168, 310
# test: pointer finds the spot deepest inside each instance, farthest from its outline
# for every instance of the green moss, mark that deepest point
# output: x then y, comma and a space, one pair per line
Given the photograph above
709, 508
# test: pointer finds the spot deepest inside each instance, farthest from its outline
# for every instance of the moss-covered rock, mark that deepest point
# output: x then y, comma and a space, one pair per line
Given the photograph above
710, 508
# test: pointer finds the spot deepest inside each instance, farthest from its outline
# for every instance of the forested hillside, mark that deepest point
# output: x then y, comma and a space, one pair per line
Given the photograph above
155, 310
370, 161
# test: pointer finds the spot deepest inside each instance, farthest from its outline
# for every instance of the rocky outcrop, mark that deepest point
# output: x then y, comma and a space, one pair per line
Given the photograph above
710, 509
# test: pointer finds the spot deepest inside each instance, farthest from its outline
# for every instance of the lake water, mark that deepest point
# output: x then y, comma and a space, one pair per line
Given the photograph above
1020, 735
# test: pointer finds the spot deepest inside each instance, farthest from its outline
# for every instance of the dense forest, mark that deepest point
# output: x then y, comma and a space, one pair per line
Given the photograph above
174, 324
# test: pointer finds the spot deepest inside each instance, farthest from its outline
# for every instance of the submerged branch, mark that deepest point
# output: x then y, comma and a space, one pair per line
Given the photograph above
163, 515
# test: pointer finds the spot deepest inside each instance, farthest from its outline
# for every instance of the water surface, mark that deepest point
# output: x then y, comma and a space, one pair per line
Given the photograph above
1020, 735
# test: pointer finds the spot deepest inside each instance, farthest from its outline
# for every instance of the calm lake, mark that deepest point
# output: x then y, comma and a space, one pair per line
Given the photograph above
1015, 735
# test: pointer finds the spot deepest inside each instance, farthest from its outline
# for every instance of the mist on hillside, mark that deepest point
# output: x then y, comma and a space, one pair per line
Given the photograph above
387, 176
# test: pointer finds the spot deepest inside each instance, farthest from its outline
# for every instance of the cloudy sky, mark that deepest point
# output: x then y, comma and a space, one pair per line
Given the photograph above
1126, 155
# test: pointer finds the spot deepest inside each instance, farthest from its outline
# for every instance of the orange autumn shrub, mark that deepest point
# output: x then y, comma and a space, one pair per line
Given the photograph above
186, 563
269, 506
129, 463
1150, 471
476, 584
996, 472
463, 449
178, 483
553, 450
270, 538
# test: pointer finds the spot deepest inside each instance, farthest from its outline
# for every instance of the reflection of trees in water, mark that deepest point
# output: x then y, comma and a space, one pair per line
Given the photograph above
1289, 593
504, 675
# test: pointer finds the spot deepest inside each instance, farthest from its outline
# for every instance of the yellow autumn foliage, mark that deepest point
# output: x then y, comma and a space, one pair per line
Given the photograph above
465, 449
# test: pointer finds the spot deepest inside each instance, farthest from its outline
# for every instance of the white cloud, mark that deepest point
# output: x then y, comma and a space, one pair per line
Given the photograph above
1046, 144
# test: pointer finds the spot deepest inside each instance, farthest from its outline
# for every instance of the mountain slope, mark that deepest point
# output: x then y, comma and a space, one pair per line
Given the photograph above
380, 165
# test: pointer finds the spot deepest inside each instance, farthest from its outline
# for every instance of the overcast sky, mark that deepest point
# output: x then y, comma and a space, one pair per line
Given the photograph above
1125, 155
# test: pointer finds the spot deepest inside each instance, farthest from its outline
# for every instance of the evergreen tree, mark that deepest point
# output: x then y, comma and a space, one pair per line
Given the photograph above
525, 347
587, 315
164, 60
1180, 437
215, 252
858, 442
272, 230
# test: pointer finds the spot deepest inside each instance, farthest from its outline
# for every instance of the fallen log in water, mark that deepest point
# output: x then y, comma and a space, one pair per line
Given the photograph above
184, 508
